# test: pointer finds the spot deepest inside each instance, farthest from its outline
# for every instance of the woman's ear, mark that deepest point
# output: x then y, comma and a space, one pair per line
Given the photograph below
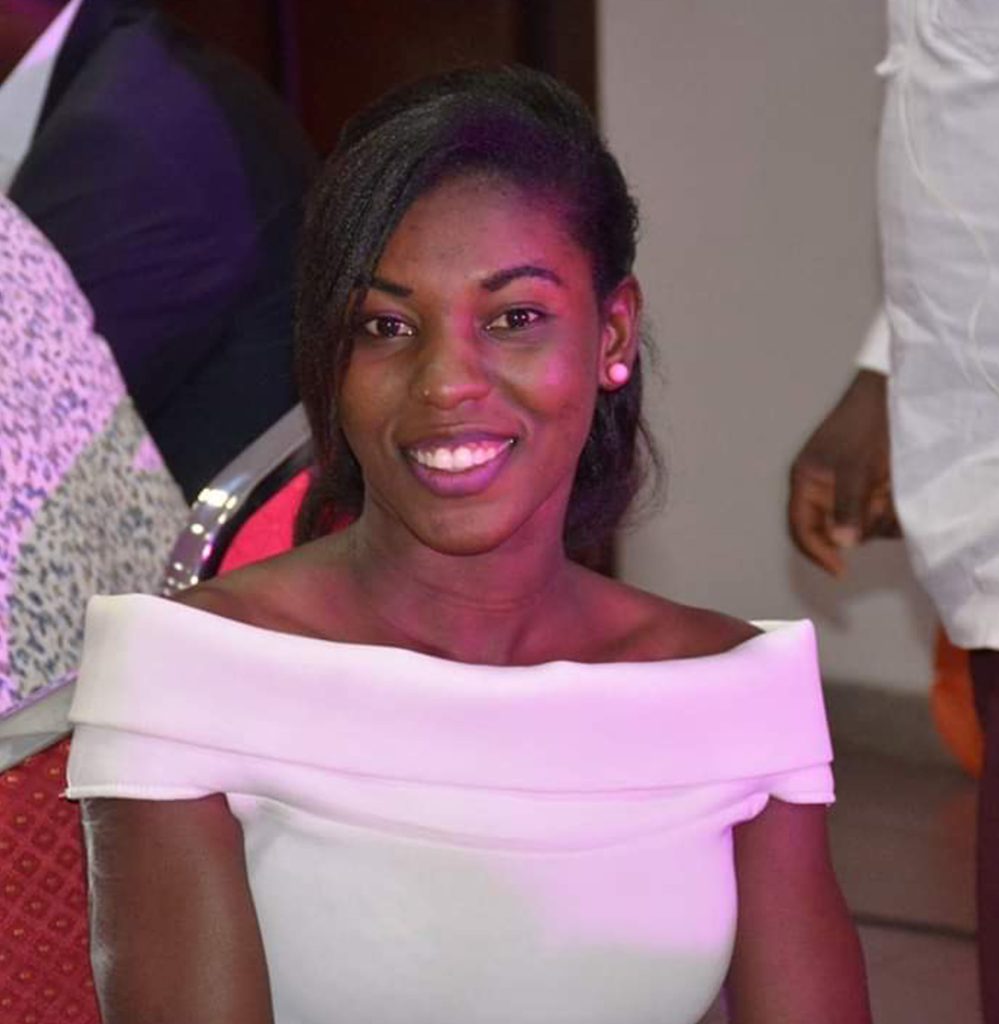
622, 311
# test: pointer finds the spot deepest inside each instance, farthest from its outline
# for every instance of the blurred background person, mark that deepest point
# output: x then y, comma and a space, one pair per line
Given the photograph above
840, 490
86, 505
170, 179
939, 216
840, 496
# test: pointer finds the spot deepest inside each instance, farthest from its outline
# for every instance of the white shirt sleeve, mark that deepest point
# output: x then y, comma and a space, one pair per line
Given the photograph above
875, 352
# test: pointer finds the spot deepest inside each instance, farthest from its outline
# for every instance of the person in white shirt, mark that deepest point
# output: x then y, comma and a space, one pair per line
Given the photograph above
939, 216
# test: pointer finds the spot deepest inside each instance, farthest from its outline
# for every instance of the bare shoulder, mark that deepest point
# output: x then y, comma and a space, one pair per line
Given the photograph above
652, 627
278, 593
237, 595
705, 631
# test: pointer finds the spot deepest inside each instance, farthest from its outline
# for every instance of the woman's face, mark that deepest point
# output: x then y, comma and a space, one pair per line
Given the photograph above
477, 355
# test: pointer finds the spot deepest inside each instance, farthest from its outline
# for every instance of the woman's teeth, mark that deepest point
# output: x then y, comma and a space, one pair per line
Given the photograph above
457, 460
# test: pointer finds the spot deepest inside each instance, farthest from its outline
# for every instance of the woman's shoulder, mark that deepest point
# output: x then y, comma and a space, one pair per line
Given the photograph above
650, 627
217, 641
281, 594
702, 632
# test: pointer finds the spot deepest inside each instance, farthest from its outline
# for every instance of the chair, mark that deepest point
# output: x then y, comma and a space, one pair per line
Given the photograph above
44, 961
245, 513
251, 504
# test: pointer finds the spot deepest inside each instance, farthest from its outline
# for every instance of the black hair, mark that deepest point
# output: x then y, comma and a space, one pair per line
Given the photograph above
515, 124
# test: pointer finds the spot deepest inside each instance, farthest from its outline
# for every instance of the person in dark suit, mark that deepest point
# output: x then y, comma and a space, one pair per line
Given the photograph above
170, 179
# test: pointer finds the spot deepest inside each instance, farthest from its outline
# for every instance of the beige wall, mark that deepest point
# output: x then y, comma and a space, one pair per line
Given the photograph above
748, 132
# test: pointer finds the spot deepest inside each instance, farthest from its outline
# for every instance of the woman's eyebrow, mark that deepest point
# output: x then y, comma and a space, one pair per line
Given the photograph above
493, 283
400, 291
502, 278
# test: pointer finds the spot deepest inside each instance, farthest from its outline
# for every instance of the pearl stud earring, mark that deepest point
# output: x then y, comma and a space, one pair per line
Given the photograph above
619, 373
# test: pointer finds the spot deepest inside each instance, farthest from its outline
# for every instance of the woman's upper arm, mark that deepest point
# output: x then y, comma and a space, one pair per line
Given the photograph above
797, 956
174, 934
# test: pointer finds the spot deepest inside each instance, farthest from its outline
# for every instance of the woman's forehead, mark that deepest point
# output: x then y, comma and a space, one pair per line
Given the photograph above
483, 224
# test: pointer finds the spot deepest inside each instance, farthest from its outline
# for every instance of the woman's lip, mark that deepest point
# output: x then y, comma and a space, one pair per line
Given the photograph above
456, 440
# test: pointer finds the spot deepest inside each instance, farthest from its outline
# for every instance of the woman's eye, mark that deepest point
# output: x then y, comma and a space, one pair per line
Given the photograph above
386, 327
515, 320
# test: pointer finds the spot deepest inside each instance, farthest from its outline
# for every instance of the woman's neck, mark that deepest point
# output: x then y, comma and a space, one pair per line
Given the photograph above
500, 607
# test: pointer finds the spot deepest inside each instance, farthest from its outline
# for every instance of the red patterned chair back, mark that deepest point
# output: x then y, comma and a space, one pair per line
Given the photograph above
44, 960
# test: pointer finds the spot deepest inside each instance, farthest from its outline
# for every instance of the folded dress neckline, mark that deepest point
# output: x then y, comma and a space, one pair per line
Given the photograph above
162, 669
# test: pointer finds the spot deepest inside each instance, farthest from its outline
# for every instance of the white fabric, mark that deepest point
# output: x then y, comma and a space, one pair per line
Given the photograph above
432, 842
939, 209
22, 93
875, 352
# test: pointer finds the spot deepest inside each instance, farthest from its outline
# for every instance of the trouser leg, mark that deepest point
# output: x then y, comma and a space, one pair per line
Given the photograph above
985, 677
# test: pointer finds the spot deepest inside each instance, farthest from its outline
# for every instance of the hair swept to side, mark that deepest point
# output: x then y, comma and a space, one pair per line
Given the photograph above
521, 126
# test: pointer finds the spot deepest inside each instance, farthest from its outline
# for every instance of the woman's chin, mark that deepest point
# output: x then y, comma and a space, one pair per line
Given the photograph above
464, 543
475, 532
465, 527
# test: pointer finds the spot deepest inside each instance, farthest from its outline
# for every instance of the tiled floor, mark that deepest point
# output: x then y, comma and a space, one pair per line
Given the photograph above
903, 843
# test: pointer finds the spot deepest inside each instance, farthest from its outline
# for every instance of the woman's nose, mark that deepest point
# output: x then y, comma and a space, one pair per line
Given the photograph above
451, 370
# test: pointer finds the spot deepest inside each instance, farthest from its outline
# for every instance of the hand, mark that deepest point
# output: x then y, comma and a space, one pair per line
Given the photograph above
840, 480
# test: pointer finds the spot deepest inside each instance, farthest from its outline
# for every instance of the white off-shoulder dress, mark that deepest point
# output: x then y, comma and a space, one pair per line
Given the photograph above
432, 842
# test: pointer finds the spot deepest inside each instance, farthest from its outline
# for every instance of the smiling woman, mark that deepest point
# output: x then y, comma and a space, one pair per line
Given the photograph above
472, 368
429, 769
530, 139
